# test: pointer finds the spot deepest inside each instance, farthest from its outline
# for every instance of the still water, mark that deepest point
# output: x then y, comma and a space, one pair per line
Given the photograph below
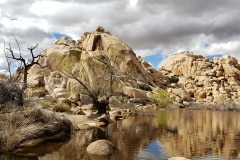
213, 135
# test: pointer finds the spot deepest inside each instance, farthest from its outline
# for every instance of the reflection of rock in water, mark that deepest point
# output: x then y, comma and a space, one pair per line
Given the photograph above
76, 147
202, 132
181, 133
131, 135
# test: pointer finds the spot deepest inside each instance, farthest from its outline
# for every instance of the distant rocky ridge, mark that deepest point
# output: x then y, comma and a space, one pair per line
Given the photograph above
194, 78
188, 77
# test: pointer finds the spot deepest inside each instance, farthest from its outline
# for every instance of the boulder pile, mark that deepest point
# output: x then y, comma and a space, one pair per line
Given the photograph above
196, 78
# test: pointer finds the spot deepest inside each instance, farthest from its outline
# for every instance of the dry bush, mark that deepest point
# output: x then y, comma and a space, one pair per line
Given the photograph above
10, 92
16, 124
17, 127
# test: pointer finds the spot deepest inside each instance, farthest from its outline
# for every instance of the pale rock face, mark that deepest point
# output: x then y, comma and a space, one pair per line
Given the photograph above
186, 64
36, 80
134, 93
200, 94
181, 93
59, 93
63, 41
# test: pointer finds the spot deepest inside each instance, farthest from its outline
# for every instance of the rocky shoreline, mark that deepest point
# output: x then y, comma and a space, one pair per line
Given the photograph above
36, 126
208, 106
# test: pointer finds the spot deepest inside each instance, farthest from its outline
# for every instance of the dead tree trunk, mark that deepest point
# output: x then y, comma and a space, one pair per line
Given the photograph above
25, 65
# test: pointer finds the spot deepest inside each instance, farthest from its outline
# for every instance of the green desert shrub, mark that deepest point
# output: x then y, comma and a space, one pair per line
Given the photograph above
39, 92
61, 107
46, 104
57, 107
162, 98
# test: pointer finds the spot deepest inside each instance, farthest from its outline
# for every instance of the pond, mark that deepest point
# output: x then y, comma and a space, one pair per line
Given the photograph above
187, 133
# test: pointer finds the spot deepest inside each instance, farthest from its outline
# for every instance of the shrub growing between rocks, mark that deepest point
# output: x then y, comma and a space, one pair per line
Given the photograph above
162, 98
39, 92
57, 107
46, 104
10, 92
61, 107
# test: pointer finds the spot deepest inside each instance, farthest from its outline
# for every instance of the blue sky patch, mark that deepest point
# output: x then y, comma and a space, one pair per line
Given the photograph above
215, 55
155, 59
59, 35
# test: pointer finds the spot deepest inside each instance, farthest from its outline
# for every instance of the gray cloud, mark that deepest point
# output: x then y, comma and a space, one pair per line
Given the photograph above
16, 8
167, 25
26, 38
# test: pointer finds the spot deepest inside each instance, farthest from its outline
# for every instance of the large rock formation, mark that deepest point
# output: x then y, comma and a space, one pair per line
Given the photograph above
204, 80
95, 58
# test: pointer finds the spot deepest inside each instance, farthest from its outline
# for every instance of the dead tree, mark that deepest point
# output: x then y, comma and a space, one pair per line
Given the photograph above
26, 65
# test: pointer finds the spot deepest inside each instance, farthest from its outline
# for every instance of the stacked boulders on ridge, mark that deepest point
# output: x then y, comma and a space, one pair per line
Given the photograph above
203, 80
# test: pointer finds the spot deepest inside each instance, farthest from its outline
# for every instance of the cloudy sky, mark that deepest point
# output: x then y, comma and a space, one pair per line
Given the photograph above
153, 28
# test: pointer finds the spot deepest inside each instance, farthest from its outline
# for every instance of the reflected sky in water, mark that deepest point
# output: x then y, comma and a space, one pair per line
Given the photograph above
154, 151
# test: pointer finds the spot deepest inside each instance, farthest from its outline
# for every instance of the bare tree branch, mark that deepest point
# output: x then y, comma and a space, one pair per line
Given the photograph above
26, 65
8, 69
